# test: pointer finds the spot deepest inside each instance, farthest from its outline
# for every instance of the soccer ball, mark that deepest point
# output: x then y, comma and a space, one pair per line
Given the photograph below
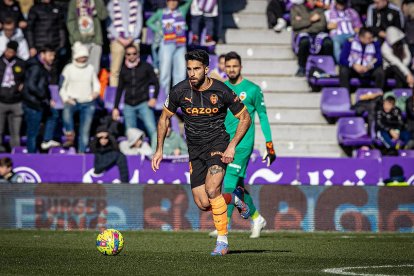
110, 242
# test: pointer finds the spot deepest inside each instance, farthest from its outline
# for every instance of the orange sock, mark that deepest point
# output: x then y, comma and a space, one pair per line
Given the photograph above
219, 209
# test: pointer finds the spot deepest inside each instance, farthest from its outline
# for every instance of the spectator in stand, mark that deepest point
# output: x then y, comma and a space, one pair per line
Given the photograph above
343, 23
46, 26
10, 32
206, 10
309, 24
409, 109
361, 58
11, 9
135, 78
79, 90
408, 10
220, 72
397, 58
12, 79
125, 26
7, 175
36, 95
84, 25
135, 145
275, 11
390, 125
170, 24
382, 15
174, 144
107, 154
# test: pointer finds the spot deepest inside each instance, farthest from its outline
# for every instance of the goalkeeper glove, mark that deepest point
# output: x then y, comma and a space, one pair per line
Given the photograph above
270, 154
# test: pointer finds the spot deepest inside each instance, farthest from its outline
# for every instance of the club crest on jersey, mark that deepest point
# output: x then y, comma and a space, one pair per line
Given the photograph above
243, 96
213, 99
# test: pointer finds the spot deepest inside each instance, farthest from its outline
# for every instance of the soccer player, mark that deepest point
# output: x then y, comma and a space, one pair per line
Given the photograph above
252, 97
204, 102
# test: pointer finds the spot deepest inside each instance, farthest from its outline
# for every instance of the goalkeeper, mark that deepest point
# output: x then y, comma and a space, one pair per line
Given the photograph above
252, 97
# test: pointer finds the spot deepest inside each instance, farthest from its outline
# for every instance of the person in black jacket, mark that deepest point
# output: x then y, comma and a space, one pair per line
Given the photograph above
135, 78
11, 9
382, 15
107, 154
390, 125
409, 108
36, 94
12, 79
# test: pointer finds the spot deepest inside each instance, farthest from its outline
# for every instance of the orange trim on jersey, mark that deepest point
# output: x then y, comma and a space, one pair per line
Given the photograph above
168, 111
240, 113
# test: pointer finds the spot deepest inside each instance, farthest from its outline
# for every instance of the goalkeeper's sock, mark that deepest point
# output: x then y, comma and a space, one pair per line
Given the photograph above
219, 210
249, 201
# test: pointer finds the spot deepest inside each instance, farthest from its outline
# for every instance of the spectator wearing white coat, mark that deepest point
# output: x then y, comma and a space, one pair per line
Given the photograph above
10, 32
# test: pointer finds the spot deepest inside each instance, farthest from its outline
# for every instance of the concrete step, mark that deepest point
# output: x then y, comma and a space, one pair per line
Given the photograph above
268, 52
245, 20
258, 36
279, 84
251, 7
270, 67
295, 116
304, 133
292, 100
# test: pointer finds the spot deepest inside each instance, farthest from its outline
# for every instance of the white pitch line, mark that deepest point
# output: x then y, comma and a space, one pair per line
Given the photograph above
343, 270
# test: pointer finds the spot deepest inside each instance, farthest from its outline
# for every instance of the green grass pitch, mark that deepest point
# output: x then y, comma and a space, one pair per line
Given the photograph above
187, 253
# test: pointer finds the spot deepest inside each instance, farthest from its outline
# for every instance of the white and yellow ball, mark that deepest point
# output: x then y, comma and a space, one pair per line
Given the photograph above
110, 242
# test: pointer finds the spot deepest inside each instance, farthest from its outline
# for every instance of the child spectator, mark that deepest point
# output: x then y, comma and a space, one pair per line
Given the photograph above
397, 58
361, 58
206, 10
274, 11
343, 23
135, 145
6, 172
11, 33
174, 144
390, 125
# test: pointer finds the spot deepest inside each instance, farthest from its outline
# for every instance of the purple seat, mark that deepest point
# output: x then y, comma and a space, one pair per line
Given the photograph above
402, 92
364, 91
161, 99
368, 154
351, 131
335, 102
175, 126
109, 98
121, 139
325, 63
60, 150
16, 150
213, 62
54, 93
406, 153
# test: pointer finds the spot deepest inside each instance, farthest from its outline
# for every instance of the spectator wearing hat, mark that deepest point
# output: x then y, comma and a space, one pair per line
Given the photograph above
397, 58
396, 178
107, 154
7, 175
79, 90
9, 33
343, 23
124, 29
12, 79
135, 145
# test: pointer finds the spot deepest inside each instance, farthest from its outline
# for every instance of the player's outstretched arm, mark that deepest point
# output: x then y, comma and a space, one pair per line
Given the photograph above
163, 124
242, 127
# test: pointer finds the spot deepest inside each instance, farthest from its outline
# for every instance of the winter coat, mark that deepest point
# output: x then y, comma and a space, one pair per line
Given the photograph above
12, 11
391, 120
133, 135
393, 36
380, 20
46, 26
304, 25
171, 143
36, 92
22, 51
12, 95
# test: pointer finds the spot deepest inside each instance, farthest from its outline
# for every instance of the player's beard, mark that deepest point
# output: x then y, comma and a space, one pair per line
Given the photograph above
199, 82
233, 79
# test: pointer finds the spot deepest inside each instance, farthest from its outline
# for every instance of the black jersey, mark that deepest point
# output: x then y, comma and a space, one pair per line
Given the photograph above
204, 111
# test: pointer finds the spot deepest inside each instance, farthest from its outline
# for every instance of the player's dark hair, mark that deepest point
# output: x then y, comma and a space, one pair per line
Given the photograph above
365, 30
233, 55
47, 48
6, 162
199, 55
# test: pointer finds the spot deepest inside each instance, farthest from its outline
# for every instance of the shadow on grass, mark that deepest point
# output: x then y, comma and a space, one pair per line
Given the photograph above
258, 251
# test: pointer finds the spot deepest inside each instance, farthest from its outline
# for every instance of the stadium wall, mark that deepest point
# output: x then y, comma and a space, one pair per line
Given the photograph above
171, 207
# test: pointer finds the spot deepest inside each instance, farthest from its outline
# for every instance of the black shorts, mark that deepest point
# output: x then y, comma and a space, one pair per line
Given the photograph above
203, 157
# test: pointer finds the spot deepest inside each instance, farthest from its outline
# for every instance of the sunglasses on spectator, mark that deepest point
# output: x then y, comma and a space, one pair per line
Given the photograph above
131, 54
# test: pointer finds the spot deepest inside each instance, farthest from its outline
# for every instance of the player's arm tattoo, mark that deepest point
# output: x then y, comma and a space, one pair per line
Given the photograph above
163, 124
242, 127
215, 170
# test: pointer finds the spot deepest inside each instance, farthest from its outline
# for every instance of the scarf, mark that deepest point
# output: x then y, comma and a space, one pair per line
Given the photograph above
132, 17
8, 78
359, 55
131, 65
85, 8
174, 27
207, 6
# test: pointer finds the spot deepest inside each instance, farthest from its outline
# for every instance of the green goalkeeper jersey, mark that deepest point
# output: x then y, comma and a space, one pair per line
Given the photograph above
252, 97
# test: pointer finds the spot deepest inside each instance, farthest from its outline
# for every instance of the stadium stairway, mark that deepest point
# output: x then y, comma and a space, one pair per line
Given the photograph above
297, 125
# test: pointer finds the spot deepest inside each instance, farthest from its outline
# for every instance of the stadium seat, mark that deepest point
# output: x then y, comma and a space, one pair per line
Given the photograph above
54, 93
336, 102
60, 150
213, 62
109, 98
403, 92
406, 153
368, 154
17, 150
351, 131
365, 91
161, 99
